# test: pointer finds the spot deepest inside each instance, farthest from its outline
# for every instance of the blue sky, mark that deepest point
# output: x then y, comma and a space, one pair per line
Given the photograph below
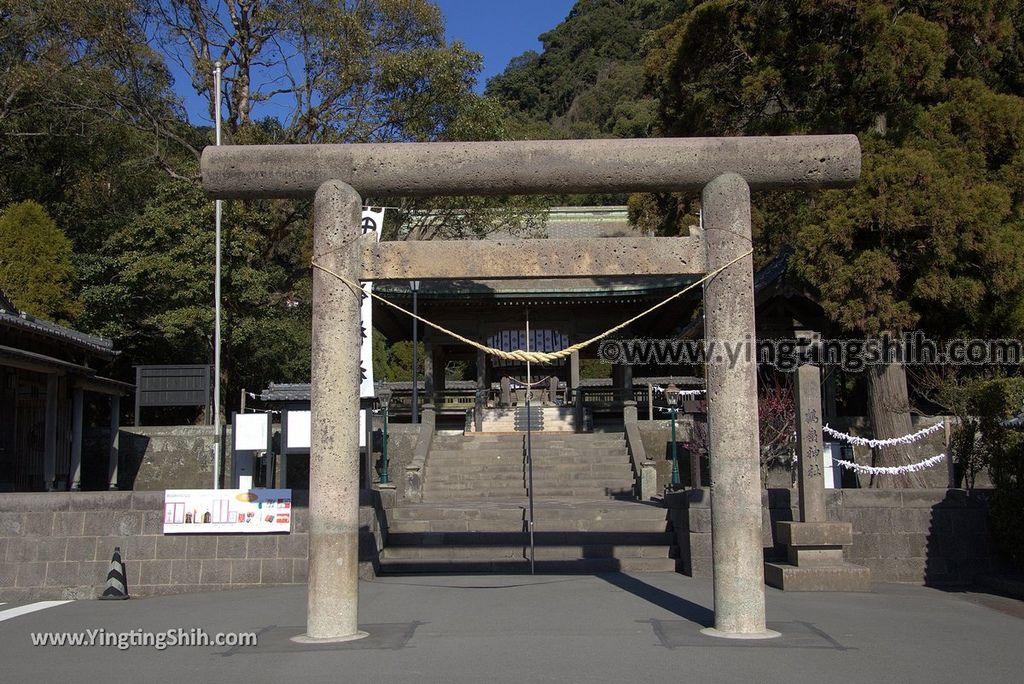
497, 29
500, 29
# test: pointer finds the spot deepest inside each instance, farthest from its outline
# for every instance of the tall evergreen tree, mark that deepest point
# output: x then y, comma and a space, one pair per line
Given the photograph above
35, 263
930, 237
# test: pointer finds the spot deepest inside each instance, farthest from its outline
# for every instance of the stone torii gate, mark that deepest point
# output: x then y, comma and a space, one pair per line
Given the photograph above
337, 176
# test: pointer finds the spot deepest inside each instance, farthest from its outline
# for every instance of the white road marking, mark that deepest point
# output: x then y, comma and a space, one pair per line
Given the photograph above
30, 608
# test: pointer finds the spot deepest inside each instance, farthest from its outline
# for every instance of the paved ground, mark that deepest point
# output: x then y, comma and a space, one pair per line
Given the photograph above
606, 628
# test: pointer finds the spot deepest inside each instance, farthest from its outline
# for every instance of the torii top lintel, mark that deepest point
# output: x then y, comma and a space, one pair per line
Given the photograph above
382, 170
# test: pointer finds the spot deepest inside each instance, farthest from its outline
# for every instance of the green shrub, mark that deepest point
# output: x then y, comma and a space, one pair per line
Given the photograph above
982, 441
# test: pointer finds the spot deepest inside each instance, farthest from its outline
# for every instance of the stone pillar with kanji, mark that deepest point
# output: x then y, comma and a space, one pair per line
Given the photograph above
814, 545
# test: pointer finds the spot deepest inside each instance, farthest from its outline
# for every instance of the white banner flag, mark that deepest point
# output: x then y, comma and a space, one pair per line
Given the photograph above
373, 221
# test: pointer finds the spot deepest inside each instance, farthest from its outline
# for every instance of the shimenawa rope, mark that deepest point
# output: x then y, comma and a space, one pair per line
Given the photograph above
519, 354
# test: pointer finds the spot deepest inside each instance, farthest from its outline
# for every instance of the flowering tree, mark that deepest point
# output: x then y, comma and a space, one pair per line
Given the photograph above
777, 423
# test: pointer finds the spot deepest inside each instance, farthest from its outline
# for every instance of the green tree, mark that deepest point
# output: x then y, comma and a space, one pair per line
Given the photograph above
587, 82
158, 304
35, 263
929, 238
340, 70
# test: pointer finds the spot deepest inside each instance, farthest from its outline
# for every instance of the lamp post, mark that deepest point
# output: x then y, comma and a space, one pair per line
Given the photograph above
414, 287
672, 397
384, 397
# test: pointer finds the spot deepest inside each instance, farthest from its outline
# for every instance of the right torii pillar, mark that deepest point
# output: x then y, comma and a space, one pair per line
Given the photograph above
733, 444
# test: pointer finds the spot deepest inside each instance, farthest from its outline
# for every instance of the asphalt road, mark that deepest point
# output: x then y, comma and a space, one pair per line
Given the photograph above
491, 629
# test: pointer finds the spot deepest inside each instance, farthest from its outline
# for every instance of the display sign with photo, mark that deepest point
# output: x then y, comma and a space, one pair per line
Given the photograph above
203, 511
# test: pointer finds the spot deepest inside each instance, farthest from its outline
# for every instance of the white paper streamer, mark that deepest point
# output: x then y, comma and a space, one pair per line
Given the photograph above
876, 443
891, 470
683, 393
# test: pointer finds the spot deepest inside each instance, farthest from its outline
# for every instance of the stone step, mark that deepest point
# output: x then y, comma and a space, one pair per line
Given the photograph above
509, 535
499, 480
536, 450
539, 485
522, 550
412, 532
548, 464
554, 465
520, 482
504, 458
441, 495
498, 474
517, 445
575, 438
583, 490
501, 472
566, 458
508, 566
470, 511
454, 465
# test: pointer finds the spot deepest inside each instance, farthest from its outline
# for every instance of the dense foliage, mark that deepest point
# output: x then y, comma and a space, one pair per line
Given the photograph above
931, 236
588, 81
91, 129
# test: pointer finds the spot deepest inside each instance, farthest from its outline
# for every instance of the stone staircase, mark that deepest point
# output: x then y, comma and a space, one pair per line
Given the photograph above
474, 513
493, 465
544, 419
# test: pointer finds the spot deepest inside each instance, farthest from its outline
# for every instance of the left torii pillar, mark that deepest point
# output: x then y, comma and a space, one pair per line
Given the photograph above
333, 600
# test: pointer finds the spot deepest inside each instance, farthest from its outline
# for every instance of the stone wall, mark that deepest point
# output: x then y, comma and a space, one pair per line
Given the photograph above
920, 536
174, 457
59, 545
657, 439
401, 445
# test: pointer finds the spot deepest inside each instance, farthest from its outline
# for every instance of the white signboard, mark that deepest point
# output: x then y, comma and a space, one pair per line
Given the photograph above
373, 221
204, 511
298, 429
251, 432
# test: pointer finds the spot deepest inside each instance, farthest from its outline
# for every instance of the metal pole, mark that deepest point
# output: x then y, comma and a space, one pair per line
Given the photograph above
384, 477
415, 286
529, 446
216, 299
675, 450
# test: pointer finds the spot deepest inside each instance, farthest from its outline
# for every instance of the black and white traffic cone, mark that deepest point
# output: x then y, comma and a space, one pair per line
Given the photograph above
117, 579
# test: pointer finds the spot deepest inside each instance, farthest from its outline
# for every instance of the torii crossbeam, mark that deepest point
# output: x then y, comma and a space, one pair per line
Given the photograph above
724, 169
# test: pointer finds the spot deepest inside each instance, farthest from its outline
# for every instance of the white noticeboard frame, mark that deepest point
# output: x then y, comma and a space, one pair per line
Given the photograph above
298, 429
252, 432
833, 471
208, 511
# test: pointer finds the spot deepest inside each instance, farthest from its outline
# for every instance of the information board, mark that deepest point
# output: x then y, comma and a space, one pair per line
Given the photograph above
204, 511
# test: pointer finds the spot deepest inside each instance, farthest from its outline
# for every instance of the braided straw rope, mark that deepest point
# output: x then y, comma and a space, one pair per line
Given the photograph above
519, 354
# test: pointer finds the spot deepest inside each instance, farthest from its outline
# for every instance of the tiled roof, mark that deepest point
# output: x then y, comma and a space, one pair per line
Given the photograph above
10, 316
589, 222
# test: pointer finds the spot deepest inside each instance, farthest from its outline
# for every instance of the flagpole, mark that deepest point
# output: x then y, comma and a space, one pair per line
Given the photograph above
216, 297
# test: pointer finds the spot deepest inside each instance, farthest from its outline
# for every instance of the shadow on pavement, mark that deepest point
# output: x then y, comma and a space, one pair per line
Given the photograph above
674, 604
